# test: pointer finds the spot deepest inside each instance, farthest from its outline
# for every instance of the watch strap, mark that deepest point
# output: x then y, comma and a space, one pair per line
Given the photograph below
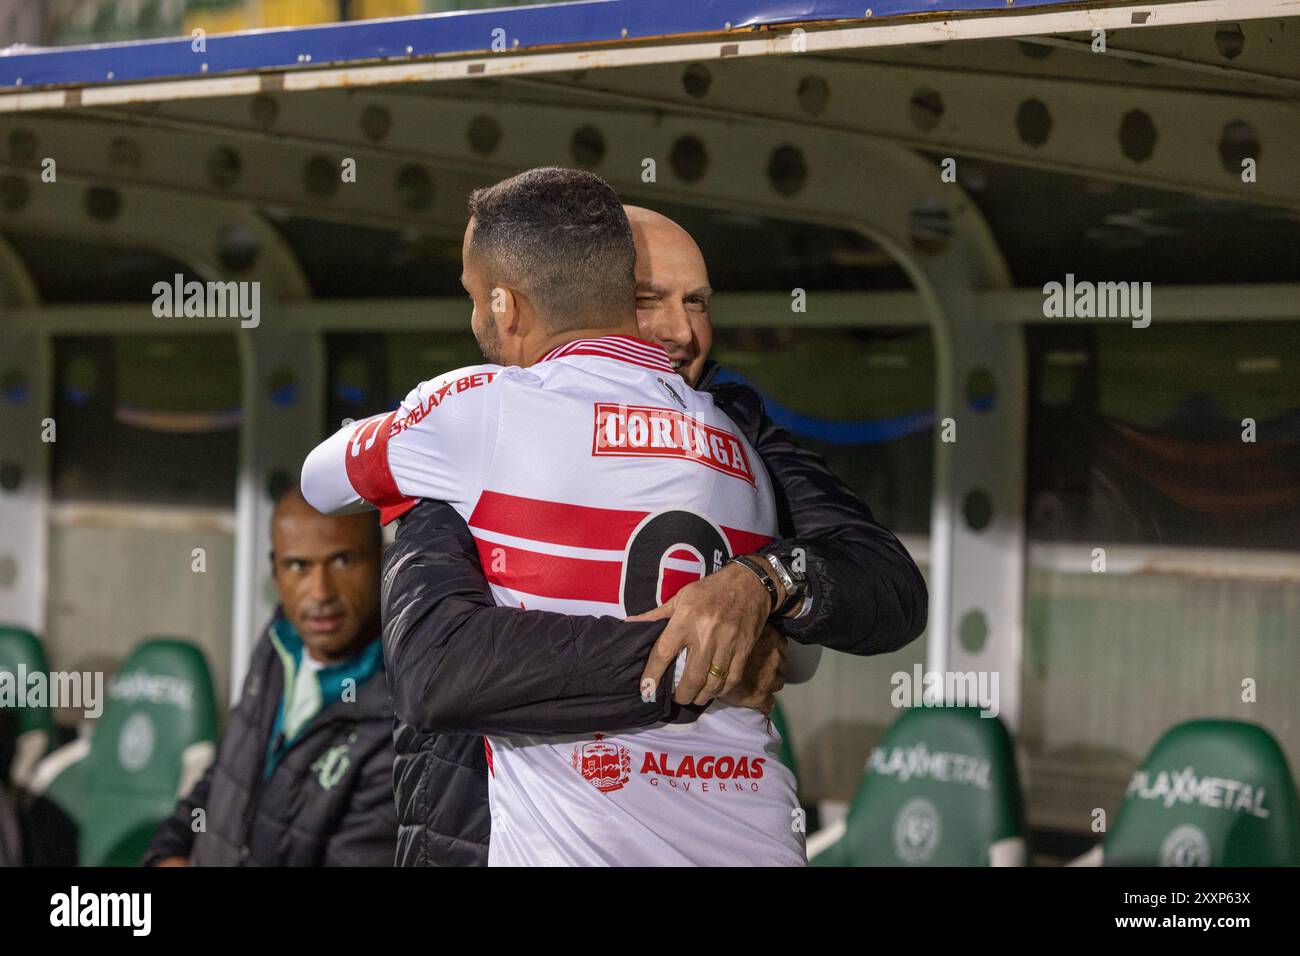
764, 576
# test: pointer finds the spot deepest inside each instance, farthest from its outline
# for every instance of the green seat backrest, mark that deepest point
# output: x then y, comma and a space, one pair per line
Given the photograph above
159, 703
25, 712
940, 790
1210, 793
20, 650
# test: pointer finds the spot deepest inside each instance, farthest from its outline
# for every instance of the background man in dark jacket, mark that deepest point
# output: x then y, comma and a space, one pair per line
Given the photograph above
462, 667
304, 775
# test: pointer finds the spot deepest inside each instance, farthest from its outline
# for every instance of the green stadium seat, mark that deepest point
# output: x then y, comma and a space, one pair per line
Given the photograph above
1210, 793
28, 733
156, 737
940, 790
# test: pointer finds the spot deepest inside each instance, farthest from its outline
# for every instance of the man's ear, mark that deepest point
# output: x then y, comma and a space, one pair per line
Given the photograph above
505, 306
501, 301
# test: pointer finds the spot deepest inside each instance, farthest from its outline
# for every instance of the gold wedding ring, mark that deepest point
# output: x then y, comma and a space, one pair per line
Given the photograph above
717, 672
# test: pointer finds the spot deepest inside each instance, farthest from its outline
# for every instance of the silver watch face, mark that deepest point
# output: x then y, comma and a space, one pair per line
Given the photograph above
789, 581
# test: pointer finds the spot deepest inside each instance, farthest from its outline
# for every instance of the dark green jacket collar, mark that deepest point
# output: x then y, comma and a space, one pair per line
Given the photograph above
336, 683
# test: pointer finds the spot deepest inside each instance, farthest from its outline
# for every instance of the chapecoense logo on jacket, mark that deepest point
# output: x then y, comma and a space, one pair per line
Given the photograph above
331, 766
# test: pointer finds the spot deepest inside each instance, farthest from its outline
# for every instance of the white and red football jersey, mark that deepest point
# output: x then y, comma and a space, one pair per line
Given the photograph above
594, 482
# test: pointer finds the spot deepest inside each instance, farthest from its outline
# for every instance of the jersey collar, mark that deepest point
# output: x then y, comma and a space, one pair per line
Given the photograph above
623, 348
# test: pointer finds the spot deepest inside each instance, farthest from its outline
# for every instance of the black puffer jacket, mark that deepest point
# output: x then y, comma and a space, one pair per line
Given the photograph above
328, 802
11, 845
868, 596
461, 667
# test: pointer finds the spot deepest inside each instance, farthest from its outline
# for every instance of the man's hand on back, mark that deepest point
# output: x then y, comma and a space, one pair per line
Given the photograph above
718, 620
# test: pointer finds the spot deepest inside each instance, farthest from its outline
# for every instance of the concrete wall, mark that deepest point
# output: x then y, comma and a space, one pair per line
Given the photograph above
120, 574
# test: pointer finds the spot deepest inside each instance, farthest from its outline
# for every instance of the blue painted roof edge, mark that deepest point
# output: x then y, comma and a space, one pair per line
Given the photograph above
468, 31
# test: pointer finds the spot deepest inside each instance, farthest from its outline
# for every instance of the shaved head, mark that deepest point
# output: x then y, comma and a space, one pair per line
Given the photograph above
672, 290
655, 224
291, 507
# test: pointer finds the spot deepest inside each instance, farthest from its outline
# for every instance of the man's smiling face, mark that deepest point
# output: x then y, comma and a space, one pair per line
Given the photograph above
672, 291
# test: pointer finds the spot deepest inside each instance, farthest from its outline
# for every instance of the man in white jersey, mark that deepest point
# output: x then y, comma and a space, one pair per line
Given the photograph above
601, 483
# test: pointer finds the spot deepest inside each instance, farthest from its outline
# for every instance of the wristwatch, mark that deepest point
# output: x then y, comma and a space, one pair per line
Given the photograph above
794, 582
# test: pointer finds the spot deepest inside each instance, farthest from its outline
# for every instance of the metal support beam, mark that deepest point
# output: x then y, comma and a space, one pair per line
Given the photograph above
1260, 55
17, 290
25, 453
450, 314
210, 155
1113, 124
283, 395
1121, 126
1248, 56
1192, 303
217, 239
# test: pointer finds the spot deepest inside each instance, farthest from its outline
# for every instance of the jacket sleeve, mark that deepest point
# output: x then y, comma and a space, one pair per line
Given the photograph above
367, 834
175, 835
867, 594
459, 664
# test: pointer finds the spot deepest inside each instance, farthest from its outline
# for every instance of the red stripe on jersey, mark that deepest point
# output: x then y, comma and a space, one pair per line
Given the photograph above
393, 512
367, 462
555, 522
745, 542
579, 526
550, 575
626, 342
673, 581
650, 364
642, 351
624, 348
